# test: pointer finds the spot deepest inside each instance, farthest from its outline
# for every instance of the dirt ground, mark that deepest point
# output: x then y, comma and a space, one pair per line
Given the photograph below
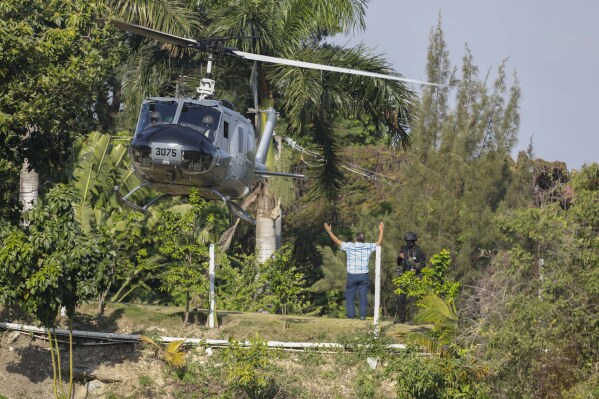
99, 367
26, 368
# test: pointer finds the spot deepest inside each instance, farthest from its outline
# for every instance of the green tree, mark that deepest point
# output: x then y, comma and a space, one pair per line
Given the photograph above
460, 170
182, 238
433, 109
236, 282
284, 286
99, 164
432, 280
248, 368
538, 298
55, 60
52, 263
421, 377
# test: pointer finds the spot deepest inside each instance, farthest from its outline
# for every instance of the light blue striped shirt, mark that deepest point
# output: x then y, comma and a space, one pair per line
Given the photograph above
358, 254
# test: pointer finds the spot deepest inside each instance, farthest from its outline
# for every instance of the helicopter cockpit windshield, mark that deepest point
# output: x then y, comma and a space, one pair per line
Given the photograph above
200, 117
156, 112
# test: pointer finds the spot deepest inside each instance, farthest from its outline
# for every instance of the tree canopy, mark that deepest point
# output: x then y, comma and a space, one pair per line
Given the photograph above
56, 59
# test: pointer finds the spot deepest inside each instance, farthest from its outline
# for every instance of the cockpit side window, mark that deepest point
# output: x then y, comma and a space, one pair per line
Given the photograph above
156, 112
201, 118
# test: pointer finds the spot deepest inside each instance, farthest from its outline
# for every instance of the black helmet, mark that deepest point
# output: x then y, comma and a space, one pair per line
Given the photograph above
409, 236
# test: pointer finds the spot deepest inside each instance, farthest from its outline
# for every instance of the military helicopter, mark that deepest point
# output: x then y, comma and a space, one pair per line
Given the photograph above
201, 142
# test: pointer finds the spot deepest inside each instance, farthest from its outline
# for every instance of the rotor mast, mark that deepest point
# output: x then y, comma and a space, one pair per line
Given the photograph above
206, 88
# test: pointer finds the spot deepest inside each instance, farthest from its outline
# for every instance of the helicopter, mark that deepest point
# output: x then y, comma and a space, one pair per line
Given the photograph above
201, 142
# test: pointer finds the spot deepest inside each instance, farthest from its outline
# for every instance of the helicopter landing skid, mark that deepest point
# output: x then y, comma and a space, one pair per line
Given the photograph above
125, 200
234, 208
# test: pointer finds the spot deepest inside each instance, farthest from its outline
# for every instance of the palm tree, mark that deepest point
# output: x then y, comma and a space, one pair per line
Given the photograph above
310, 100
443, 316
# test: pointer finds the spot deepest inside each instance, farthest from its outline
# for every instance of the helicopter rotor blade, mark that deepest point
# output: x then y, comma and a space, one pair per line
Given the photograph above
213, 44
311, 65
156, 35
209, 45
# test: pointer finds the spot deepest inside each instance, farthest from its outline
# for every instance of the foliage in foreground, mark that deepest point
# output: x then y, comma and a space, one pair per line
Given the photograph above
171, 353
259, 372
182, 239
51, 262
248, 368
277, 286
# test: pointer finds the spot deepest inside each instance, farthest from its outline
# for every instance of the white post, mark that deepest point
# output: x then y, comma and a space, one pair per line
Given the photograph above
211, 314
377, 289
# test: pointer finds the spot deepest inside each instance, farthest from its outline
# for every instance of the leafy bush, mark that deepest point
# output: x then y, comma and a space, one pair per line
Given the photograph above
421, 377
277, 285
433, 279
282, 287
248, 368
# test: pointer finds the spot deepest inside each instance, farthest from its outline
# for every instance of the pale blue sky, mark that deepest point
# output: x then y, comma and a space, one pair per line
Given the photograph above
552, 45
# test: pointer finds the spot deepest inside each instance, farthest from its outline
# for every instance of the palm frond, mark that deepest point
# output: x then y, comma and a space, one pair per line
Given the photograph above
170, 16
173, 354
443, 316
424, 341
150, 341
434, 310
387, 103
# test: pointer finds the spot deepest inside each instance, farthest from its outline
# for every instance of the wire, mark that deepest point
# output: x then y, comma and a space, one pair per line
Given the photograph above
371, 174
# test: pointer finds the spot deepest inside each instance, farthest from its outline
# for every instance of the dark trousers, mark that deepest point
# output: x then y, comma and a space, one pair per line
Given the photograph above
359, 283
404, 308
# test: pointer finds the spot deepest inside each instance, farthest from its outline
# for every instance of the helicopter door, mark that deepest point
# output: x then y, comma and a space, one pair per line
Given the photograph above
237, 149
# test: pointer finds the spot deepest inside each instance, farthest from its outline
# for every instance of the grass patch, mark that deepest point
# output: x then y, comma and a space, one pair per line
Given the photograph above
156, 320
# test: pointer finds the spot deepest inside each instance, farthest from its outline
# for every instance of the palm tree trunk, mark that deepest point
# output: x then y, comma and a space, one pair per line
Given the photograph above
29, 187
268, 218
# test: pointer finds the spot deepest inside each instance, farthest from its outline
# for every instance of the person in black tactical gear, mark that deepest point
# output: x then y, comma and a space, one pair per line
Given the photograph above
411, 258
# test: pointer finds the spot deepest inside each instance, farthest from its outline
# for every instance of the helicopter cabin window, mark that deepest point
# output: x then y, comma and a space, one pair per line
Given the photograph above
250, 146
241, 140
156, 112
226, 130
201, 118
